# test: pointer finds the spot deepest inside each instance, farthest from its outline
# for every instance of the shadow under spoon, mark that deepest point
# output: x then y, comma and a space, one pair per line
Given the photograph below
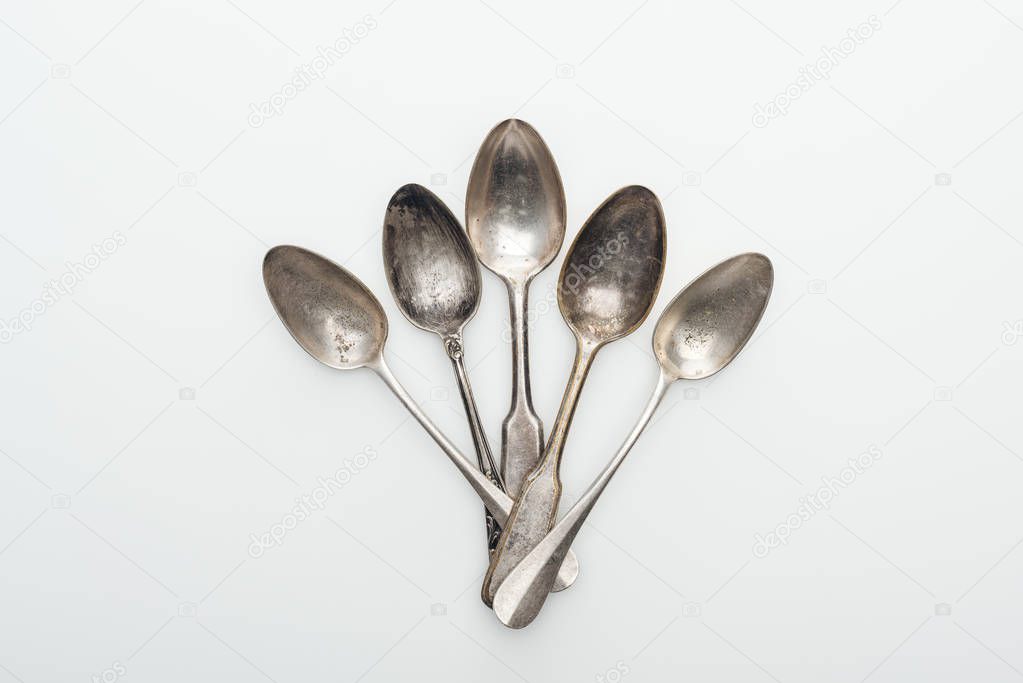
700, 332
607, 286
435, 279
515, 217
338, 321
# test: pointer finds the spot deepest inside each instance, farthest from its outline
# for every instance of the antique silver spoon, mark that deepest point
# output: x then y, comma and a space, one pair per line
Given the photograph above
700, 332
608, 285
435, 280
338, 321
515, 216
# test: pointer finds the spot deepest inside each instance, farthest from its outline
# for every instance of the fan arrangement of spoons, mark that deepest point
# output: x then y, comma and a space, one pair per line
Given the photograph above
515, 226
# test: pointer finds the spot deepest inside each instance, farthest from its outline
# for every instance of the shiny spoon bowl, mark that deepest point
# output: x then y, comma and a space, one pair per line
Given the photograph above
435, 280
338, 321
608, 284
515, 216
700, 332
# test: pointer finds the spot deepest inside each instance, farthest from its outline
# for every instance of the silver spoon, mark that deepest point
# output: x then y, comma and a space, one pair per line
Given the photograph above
700, 332
338, 321
608, 285
515, 216
435, 280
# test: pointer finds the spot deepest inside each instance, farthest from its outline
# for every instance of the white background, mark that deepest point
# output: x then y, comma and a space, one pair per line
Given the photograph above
159, 414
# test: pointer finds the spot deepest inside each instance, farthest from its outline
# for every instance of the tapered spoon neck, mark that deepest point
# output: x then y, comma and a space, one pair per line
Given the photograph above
585, 349
484, 455
584, 354
518, 288
518, 299
383, 370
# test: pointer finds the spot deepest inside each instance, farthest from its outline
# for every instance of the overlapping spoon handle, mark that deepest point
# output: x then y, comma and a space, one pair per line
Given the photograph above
522, 431
536, 507
496, 500
524, 591
484, 458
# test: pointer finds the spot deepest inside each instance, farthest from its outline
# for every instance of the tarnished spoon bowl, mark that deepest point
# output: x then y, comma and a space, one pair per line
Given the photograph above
332, 315
613, 270
431, 269
515, 203
709, 322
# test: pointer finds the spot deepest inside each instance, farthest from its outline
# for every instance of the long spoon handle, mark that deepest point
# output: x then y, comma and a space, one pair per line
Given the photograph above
536, 507
496, 500
522, 431
523, 592
484, 458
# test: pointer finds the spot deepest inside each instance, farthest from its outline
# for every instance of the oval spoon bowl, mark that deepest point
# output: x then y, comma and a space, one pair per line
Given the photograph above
707, 324
614, 267
432, 272
329, 312
515, 202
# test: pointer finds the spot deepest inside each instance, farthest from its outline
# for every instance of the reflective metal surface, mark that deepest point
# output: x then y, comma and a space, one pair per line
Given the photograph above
608, 284
339, 322
435, 279
515, 216
700, 332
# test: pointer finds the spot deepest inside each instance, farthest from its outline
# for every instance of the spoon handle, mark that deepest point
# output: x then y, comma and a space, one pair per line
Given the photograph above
453, 345
524, 591
522, 431
496, 500
536, 508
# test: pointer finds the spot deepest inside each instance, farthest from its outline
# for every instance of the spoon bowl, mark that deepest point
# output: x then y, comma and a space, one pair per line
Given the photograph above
613, 270
329, 312
431, 269
515, 202
706, 325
